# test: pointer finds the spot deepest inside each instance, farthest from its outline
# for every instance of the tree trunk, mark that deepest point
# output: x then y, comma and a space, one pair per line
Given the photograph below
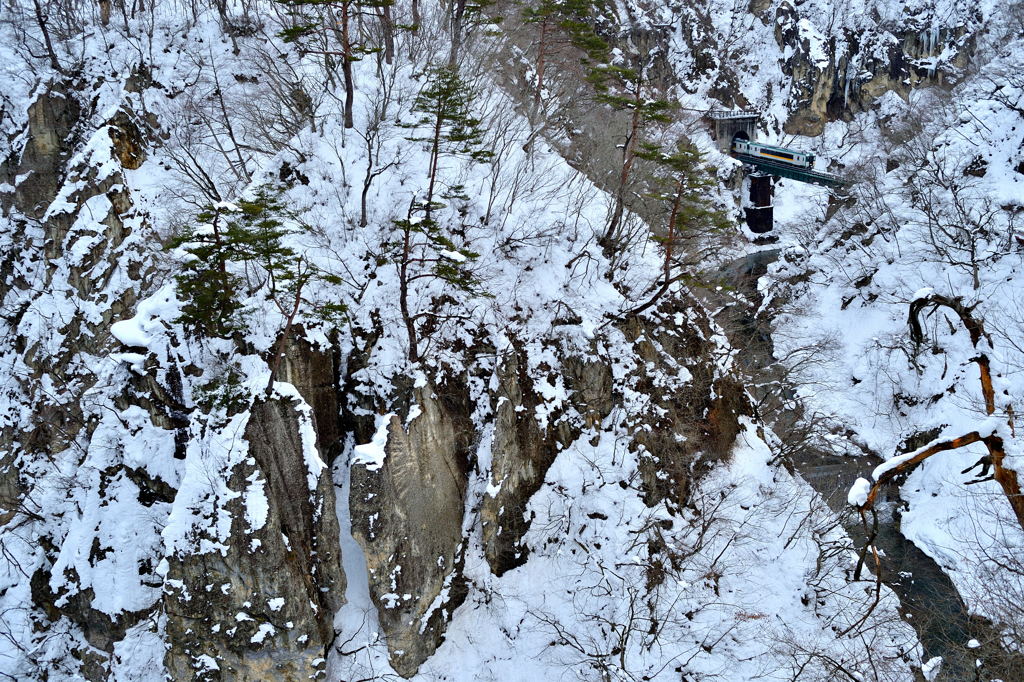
458, 12
279, 351
1006, 478
41, 20
388, 26
541, 63
346, 66
667, 266
627, 166
403, 292
367, 180
435, 152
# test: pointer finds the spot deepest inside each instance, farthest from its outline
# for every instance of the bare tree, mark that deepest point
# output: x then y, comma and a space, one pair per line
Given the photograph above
996, 404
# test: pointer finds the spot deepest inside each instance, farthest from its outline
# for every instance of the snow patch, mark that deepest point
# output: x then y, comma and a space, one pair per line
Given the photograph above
858, 494
372, 454
138, 332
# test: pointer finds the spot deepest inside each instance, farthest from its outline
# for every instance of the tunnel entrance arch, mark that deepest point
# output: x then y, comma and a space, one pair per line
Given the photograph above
731, 125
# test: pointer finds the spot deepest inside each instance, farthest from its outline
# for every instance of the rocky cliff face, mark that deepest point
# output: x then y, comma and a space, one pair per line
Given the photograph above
561, 485
412, 510
522, 450
837, 74
71, 260
261, 605
407, 515
802, 64
105, 436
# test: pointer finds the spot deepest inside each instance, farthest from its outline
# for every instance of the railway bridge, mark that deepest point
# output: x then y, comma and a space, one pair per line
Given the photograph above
783, 170
735, 133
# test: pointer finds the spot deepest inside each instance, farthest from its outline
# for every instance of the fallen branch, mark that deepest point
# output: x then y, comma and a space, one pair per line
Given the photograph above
1006, 478
910, 463
965, 313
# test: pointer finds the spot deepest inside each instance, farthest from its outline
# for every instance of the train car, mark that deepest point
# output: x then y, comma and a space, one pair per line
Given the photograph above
770, 153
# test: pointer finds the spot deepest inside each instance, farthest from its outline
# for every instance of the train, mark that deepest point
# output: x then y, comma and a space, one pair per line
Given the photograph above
789, 157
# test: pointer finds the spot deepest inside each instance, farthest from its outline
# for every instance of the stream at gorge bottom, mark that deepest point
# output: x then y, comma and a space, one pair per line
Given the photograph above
929, 600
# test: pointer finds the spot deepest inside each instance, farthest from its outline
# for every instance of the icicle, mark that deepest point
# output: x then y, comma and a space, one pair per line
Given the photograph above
846, 85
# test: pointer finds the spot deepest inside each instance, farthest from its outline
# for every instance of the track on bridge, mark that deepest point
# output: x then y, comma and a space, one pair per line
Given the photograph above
791, 172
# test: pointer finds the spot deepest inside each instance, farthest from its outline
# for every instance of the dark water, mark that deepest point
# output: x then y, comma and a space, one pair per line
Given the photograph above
928, 599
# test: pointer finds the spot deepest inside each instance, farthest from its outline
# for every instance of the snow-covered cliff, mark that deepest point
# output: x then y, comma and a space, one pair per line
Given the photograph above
434, 419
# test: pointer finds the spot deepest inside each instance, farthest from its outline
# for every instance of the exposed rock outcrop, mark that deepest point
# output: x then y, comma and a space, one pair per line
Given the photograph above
409, 506
69, 268
313, 370
407, 515
260, 605
840, 74
53, 119
238, 573
835, 66
690, 421
522, 450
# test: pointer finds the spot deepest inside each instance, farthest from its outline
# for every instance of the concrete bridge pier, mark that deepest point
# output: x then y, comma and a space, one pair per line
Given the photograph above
760, 212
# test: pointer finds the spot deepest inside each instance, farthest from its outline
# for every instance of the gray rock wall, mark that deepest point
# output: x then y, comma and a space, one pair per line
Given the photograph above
407, 515
263, 608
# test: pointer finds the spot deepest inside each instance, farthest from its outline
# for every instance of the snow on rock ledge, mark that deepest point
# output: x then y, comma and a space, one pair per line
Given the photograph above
138, 331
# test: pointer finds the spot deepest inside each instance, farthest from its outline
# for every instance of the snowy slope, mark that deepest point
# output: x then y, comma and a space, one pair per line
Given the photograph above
158, 482
936, 209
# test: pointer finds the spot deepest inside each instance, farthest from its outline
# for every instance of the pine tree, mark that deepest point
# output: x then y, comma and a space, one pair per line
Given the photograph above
563, 21
209, 291
426, 249
627, 89
683, 183
462, 15
251, 234
443, 106
623, 85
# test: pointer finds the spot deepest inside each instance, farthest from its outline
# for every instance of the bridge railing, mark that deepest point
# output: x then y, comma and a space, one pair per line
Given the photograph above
792, 172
